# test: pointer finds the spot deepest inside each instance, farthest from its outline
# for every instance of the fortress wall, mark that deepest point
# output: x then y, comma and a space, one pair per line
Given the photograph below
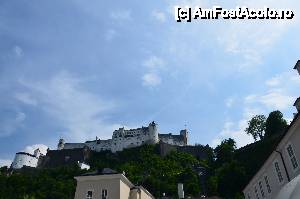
22, 159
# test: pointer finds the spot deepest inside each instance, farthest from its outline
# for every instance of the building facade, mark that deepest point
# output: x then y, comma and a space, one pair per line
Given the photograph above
282, 166
108, 184
122, 139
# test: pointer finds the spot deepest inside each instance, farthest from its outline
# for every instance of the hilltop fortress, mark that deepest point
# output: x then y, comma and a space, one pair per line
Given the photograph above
80, 152
122, 139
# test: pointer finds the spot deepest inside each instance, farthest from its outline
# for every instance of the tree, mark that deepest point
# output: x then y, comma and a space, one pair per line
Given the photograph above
225, 151
256, 127
231, 179
275, 124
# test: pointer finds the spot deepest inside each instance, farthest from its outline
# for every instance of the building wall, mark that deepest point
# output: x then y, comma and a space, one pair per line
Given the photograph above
170, 140
124, 190
111, 185
117, 186
269, 171
21, 160
144, 195
292, 138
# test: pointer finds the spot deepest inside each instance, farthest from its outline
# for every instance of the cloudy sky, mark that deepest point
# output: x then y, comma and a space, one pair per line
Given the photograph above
80, 69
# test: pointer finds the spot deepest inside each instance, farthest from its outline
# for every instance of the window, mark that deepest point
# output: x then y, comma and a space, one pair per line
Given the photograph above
104, 193
256, 192
248, 196
267, 184
292, 156
277, 169
261, 189
89, 195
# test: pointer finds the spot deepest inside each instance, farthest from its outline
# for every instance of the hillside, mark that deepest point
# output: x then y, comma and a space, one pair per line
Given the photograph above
142, 165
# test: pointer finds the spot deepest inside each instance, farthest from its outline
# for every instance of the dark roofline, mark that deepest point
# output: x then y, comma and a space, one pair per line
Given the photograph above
296, 101
284, 134
105, 171
24, 153
298, 62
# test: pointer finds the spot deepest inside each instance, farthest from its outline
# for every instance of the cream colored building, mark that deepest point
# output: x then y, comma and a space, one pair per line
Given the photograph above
280, 174
108, 184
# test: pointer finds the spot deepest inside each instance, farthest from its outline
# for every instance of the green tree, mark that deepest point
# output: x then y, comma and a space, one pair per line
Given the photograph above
231, 179
225, 151
275, 124
256, 127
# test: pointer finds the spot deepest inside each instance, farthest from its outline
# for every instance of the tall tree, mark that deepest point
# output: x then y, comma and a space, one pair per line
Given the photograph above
275, 124
256, 127
225, 151
231, 178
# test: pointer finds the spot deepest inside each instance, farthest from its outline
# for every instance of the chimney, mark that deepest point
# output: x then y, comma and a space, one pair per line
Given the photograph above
180, 191
297, 104
297, 66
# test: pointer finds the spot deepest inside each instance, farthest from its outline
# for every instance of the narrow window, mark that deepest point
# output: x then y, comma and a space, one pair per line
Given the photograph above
248, 196
256, 192
277, 169
89, 195
267, 184
261, 189
104, 193
292, 156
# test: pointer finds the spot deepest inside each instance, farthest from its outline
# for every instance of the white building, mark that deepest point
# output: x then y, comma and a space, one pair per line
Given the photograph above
279, 175
26, 159
123, 138
108, 184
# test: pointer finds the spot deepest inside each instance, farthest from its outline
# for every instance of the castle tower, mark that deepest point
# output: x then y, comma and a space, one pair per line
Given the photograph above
185, 135
61, 144
37, 153
153, 133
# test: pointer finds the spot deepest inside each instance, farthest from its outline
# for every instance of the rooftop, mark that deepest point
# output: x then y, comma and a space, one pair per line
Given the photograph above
105, 171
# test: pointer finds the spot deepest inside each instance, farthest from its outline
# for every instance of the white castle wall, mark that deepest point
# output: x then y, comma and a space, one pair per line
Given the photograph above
170, 140
122, 139
24, 159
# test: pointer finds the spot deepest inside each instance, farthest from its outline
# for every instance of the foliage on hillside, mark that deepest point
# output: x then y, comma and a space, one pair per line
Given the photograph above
55, 183
254, 155
144, 166
228, 170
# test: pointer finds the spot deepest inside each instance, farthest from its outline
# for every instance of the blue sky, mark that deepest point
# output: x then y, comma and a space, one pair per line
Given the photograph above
80, 69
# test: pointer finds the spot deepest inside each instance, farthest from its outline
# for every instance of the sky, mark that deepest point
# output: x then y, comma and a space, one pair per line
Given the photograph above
80, 69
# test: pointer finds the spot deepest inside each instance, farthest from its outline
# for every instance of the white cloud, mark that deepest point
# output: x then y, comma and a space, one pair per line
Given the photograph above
110, 34
5, 162
30, 149
276, 99
154, 66
78, 111
18, 51
121, 15
229, 102
158, 15
235, 131
25, 98
154, 63
275, 81
151, 79
250, 41
280, 94
10, 124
